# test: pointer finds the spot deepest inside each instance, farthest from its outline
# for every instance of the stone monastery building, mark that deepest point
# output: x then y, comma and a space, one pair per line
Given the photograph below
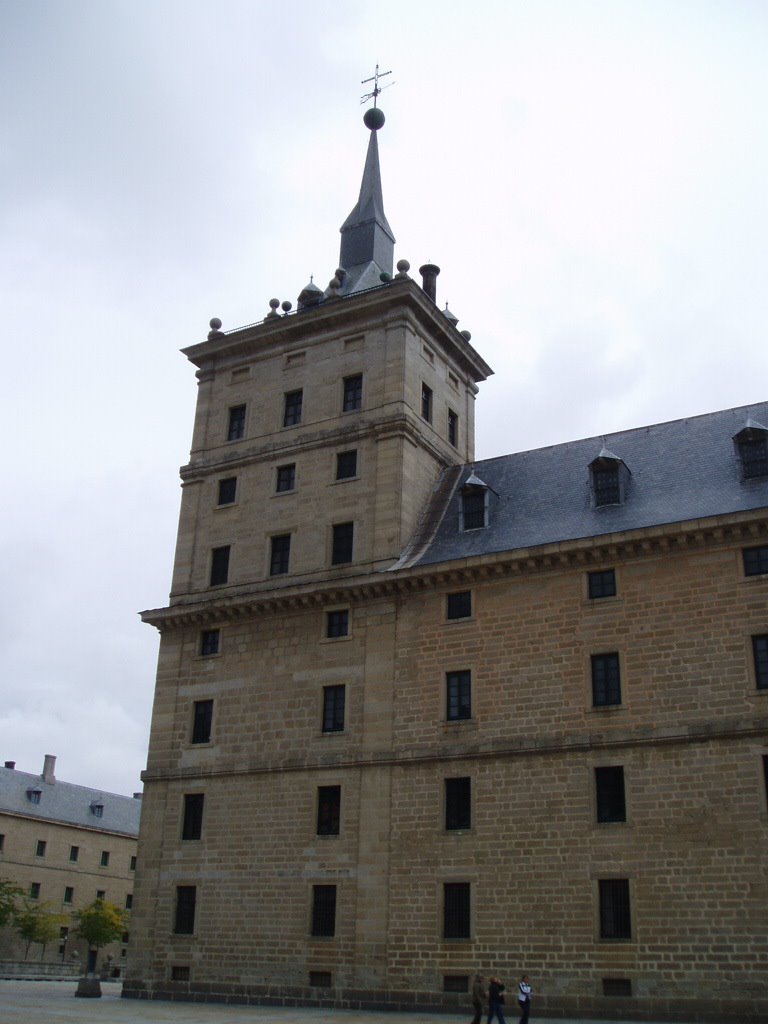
418, 716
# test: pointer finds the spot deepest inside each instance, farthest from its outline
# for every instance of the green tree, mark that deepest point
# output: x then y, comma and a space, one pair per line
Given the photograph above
99, 924
10, 895
36, 924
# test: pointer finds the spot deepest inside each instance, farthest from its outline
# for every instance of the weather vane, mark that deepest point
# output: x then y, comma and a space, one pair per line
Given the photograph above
376, 90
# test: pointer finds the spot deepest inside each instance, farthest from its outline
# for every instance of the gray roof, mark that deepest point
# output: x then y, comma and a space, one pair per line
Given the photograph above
678, 471
65, 802
366, 237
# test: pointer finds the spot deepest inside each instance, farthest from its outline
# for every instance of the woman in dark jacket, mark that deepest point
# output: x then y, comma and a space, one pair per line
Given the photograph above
495, 1000
478, 998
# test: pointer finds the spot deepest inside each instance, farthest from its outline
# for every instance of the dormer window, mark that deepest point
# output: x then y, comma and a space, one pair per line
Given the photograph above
33, 795
752, 449
474, 505
609, 476
97, 809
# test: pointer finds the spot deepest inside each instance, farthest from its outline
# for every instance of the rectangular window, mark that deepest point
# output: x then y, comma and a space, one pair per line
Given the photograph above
186, 898
209, 641
458, 687
132, 864
192, 825
453, 428
337, 623
33, 795
756, 560
458, 804
34, 890
201, 723
101, 894
459, 605
40, 848
765, 778
227, 490
292, 408
615, 921
753, 453
601, 583
97, 810
456, 910
426, 403
473, 509
328, 810
129, 901
609, 794
104, 858
280, 554
69, 893
353, 393
617, 986
2, 842
236, 427
74, 853
286, 478
606, 680
334, 699
455, 983
180, 972
343, 537
324, 910
219, 566
346, 464
320, 979
605, 483
760, 653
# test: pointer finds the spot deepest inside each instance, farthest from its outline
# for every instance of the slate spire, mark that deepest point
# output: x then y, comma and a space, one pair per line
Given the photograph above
367, 242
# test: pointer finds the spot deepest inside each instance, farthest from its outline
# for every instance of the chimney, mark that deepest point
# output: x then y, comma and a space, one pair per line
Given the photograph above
429, 274
10, 764
137, 796
48, 767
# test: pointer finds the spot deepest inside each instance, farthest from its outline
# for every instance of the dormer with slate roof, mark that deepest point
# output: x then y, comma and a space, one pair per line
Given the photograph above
609, 479
751, 445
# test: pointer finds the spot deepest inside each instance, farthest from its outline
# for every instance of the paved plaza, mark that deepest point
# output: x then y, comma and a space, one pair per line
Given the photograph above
54, 1002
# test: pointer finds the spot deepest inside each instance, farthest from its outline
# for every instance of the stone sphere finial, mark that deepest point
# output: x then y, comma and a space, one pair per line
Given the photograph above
466, 335
273, 306
403, 266
215, 324
287, 306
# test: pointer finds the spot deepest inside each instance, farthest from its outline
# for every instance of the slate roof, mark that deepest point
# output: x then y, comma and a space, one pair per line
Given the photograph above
65, 802
678, 471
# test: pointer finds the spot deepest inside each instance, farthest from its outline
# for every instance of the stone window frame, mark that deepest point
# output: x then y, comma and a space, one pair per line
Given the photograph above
192, 815
339, 456
198, 720
209, 643
329, 711
220, 559
236, 421
352, 392
321, 830
323, 923
458, 594
595, 581
450, 677
225, 485
596, 800
334, 637
758, 661
458, 884
187, 912
599, 892
590, 667
445, 809
293, 408
285, 478
757, 554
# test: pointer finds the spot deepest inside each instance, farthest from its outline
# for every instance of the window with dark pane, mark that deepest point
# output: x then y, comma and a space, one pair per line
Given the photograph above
426, 403
609, 794
458, 803
606, 680
606, 485
40, 848
459, 695
328, 810
324, 910
602, 583
69, 894
615, 920
353, 392
456, 910
105, 858
236, 425
334, 698
101, 894
132, 863
320, 979
186, 898
292, 408
129, 901
459, 605
209, 641
453, 428
343, 537
286, 478
765, 777
760, 654
34, 890
280, 554
201, 722
455, 983
756, 560
192, 823
227, 490
220, 565
346, 464
74, 853
473, 504
337, 623
753, 452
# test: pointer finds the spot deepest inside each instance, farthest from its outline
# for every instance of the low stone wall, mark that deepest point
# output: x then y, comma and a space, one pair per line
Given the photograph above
42, 971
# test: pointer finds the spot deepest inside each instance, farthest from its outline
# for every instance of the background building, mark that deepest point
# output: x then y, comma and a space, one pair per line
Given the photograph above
417, 716
64, 846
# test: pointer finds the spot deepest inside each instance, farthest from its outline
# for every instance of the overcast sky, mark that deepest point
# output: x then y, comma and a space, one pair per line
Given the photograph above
590, 177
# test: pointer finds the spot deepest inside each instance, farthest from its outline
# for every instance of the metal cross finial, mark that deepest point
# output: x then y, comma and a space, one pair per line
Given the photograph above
376, 90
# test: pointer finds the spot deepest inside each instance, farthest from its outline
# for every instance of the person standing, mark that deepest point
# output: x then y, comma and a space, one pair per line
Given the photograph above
524, 999
495, 1001
478, 998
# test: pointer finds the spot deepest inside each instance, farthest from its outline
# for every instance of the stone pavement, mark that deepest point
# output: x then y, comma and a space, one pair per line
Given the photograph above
54, 1002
